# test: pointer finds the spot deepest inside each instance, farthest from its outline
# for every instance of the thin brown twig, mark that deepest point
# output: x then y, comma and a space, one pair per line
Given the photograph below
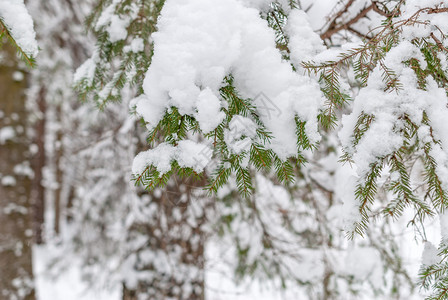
346, 25
379, 11
339, 14
379, 36
437, 10
361, 35
438, 42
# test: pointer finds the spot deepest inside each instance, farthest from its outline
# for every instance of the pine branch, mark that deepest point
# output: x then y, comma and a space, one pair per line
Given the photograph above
4, 31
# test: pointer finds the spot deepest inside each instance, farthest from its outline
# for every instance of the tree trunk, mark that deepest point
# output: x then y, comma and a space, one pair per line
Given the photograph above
129, 294
16, 277
38, 190
59, 175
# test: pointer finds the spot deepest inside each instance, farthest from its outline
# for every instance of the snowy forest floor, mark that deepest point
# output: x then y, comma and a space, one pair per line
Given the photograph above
54, 284
68, 284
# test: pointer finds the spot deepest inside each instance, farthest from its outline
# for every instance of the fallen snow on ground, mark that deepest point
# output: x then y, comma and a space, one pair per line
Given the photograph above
54, 284
67, 284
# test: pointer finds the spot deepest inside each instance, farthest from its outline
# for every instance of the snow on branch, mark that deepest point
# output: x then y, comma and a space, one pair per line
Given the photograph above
17, 25
210, 58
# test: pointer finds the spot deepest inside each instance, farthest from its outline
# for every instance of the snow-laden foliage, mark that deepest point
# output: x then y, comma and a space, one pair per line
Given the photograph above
123, 49
246, 105
120, 235
224, 96
17, 25
396, 126
402, 103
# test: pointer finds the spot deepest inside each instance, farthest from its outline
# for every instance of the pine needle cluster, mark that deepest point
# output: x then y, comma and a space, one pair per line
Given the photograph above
175, 127
115, 63
364, 60
4, 32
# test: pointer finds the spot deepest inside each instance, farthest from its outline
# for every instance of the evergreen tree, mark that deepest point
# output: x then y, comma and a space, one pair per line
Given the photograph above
245, 99
262, 124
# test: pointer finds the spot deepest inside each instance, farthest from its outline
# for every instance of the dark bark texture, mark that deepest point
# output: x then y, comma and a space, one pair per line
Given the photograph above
16, 278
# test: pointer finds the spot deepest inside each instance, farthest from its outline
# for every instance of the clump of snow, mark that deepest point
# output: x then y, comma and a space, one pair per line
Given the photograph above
24, 169
187, 153
114, 24
208, 106
161, 157
344, 189
238, 136
87, 69
304, 43
443, 217
259, 4
6, 133
18, 76
193, 155
18, 21
137, 45
430, 255
8, 181
117, 29
199, 42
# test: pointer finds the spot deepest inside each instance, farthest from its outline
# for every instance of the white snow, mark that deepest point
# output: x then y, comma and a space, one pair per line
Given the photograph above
199, 42
115, 24
362, 263
64, 283
18, 76
161, 157
345, 184
238, 136
304, 43
8, 181
87, 69
430, 255
388, 106
187, 153
6, 133
209, 113
117, 29
137, 45
443, 217
19, 23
